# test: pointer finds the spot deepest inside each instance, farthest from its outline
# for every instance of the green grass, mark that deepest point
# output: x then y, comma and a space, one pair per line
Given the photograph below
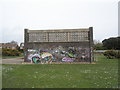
103, 74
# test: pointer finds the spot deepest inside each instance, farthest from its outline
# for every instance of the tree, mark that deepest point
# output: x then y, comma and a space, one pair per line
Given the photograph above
112, 43
13, 42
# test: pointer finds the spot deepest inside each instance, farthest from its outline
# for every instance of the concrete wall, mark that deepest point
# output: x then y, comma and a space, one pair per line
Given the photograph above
76, 47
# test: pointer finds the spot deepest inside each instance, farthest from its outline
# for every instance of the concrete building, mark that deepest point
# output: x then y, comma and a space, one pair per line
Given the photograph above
8, 45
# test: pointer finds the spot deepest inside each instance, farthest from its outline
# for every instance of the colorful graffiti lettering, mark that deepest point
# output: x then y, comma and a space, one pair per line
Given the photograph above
58, 54
44, 55
68, 59
36, 60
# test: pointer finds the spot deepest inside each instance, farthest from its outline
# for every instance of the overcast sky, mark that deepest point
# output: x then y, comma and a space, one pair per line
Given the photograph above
15, 15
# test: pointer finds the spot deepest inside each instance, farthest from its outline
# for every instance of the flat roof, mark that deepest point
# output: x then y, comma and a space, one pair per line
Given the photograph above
60, 30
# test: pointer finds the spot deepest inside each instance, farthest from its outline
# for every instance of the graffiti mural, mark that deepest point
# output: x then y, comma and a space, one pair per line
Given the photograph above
58, 54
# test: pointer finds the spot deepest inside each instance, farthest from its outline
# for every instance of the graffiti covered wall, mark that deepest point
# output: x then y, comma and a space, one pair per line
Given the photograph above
47, 46
58, 54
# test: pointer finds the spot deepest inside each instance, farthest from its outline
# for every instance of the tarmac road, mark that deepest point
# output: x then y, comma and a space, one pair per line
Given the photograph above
18, 60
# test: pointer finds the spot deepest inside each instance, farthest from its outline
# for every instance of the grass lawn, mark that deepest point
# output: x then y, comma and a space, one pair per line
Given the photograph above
103, 74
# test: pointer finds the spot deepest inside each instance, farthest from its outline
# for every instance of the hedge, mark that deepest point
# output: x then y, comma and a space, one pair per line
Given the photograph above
10, 52
111, 54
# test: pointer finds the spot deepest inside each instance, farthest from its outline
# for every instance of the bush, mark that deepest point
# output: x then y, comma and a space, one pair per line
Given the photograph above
20, 50
118, 54
111, 54
10, 52
112, 43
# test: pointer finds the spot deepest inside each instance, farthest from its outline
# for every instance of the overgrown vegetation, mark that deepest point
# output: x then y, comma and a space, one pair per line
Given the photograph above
112, 43
107, 44
10, 52
111, 54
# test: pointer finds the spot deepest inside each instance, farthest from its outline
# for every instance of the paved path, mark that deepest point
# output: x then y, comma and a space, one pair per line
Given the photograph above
18, 60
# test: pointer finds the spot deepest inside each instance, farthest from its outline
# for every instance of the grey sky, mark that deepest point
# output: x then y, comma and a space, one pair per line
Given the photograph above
15, 15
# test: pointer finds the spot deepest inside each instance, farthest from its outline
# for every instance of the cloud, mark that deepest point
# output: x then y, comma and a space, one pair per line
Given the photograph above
55, 14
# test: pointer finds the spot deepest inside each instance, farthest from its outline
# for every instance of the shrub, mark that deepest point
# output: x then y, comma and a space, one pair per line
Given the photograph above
21, 50
10, 52
118, 54
110, 54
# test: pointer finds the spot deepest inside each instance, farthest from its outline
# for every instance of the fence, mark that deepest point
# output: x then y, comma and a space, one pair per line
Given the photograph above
63, 45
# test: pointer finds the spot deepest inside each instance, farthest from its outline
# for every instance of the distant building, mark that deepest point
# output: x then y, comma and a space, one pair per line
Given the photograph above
21, 45
8, 45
